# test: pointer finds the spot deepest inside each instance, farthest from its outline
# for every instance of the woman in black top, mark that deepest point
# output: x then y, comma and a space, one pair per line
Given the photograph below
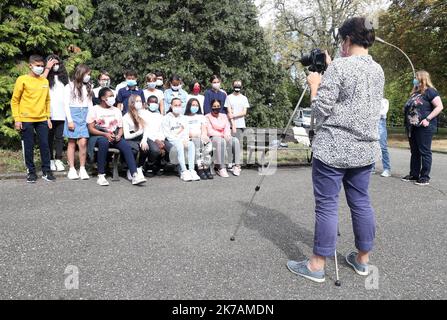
421, 112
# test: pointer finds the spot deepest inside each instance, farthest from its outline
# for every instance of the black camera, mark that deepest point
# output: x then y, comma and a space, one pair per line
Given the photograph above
315, 61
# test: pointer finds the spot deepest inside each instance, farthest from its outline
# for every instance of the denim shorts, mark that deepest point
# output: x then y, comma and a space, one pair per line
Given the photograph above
79, 116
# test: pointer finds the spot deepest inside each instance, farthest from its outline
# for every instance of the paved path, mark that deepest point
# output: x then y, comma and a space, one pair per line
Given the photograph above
170, 240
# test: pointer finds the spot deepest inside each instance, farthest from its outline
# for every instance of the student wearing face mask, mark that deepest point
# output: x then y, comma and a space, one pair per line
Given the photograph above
134, 123
131, 88
218, 129
154, 136
30, 106
104, 82
215, 93
160, 81
151, 90
78, 99
199, 135
105, 124
57, 77
237, 106
175, 91
195, 88
175, 127
123, 83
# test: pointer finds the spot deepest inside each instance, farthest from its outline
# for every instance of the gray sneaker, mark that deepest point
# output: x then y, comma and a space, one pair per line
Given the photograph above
301, 269
361, 269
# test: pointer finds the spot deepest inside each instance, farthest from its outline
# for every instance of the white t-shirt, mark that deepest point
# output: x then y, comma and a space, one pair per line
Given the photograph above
57, 100
108, 118
199, 97
384, 109
75, 102
158, 93
195, 124
237, 103
152, 128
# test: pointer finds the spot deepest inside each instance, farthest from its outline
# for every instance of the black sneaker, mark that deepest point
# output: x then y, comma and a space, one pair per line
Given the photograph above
201, 173
422, 182
409, 178
48, 176
31, 177
208, 174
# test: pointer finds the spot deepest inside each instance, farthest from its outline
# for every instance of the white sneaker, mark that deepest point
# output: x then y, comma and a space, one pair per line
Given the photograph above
140, 170
83, 174
236, 171
386, 173
129, 175
223, 173
59, 165
186, 176
102, 181
194, 175
138, 178
72, 174
52, 165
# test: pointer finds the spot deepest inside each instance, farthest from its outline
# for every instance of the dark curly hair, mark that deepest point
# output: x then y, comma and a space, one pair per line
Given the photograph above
359, 31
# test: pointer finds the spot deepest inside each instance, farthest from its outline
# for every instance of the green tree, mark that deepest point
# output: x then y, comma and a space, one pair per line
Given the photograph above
195, 39
35, 26
423, 40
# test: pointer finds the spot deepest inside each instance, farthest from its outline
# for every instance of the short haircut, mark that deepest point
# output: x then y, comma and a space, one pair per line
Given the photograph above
175, 99
103, 92
131, 73
214, 77
152, 97
36, 58
158, 73
359, 32
103, 73
175, 77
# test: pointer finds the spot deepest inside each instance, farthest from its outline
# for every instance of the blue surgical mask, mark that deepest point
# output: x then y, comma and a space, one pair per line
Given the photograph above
416, 82
37, 70
194, 109
153, 107
152, 85
131, 83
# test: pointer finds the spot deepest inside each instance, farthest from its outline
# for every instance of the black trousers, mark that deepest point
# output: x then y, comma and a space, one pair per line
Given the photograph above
421, 156
56, 139
41, 129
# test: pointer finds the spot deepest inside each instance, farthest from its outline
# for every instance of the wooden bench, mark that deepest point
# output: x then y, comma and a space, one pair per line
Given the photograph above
265, 148
115, 162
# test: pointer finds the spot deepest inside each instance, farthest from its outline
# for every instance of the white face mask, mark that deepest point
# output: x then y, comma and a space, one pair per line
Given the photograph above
216, 86
86, 78
138, 105
37, 70
153, 107
110, 101
159, 83
176, 88
177, 110
104, 83
56, 68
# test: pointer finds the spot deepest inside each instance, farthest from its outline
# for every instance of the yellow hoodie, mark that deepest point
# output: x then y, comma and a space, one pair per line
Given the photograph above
31, 99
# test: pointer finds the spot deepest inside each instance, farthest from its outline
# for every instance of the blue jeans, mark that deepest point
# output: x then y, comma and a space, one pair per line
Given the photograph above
327, 184
179, 148
103, 148
41, 129
383, 136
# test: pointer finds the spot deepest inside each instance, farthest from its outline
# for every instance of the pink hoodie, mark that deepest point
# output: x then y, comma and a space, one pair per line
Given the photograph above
218, 127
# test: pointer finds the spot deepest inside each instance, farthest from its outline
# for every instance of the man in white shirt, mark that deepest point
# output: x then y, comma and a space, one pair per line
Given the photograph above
237, 105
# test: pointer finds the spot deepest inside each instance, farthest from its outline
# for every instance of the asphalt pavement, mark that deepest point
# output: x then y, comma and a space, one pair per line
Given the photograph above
171, 240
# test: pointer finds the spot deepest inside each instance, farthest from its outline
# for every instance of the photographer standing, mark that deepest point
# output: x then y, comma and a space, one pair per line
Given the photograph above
347, 112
